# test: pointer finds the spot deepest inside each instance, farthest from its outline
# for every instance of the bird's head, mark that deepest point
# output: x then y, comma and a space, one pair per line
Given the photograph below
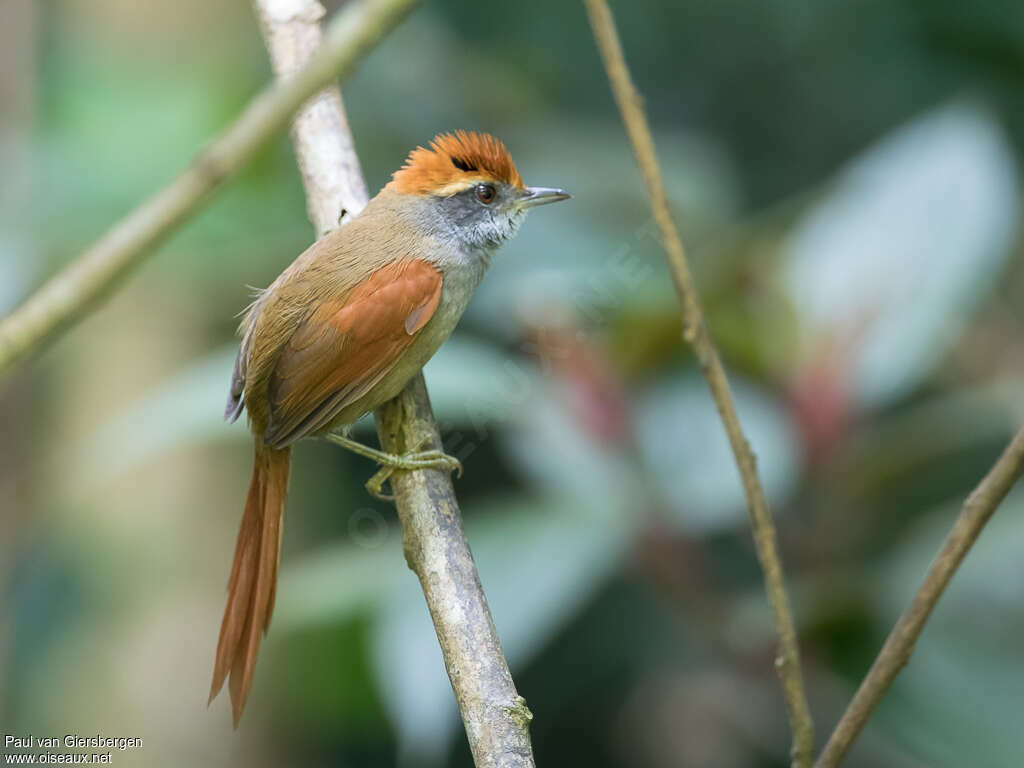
471, 187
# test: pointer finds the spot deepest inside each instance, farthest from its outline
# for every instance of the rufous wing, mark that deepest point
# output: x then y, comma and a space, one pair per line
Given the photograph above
345, 346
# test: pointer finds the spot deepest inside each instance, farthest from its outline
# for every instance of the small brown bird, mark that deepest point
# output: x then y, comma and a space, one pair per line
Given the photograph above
343, 329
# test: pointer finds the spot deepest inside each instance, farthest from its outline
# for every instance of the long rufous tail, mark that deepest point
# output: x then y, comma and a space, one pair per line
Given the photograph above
253, 581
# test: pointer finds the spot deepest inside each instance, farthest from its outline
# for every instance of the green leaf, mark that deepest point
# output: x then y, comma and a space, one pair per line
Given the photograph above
958, 702
539, 563
184, 409
887, 268
684, 444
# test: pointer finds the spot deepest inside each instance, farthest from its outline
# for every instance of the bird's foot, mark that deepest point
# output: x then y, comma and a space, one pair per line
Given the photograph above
433, 459
393, 462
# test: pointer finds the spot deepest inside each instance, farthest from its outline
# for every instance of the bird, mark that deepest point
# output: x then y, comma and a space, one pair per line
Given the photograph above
342, 330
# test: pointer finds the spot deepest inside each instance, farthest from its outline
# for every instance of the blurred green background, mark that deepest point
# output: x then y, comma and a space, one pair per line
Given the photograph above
846, 177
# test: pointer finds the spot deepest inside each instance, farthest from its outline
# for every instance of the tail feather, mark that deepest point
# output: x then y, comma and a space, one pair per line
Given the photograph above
253, 582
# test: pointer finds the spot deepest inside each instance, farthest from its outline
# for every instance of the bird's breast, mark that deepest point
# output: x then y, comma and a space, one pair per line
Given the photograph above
459, 283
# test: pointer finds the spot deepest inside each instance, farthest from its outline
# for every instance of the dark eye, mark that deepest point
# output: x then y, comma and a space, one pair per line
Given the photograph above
485, 193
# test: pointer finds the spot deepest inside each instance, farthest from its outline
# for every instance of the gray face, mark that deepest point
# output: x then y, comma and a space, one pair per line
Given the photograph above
485, 215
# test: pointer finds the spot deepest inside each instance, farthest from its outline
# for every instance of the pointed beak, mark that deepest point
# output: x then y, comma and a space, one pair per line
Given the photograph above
533, 196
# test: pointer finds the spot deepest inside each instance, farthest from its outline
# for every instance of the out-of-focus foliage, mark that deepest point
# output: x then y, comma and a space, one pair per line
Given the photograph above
890, 263
846, 178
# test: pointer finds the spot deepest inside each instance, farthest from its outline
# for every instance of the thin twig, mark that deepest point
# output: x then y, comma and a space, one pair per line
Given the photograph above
895, 653
79, 287
696, 334
495, 716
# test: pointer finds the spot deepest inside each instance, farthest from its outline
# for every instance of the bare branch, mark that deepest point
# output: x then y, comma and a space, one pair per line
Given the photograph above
696, 334
331, 174
79, 287
495, 716
895, 653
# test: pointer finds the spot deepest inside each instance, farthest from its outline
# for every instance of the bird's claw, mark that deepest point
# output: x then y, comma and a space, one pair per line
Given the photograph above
408, 462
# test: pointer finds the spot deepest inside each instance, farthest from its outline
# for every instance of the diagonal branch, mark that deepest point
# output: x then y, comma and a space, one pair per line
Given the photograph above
895, 653
495, 716
696, 334
79, 287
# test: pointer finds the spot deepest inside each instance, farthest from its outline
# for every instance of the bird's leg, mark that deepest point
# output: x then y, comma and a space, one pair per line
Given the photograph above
391, 462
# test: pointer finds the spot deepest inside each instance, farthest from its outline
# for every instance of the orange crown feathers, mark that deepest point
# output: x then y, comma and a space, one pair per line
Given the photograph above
454, 162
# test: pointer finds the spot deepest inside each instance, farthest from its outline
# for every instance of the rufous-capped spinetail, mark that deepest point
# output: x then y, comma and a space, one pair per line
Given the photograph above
343, 329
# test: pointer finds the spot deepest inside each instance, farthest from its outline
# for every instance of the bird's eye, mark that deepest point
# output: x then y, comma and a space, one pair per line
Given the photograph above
485, 193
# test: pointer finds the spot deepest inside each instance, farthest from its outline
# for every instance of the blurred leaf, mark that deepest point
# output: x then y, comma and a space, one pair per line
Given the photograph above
19, 252
105, 148
914, 439
186, 408
17, 258
986, 589
599, 252
336, 582
552, 449
539, 563
959, 700
472, 382
886, 269
682, 440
